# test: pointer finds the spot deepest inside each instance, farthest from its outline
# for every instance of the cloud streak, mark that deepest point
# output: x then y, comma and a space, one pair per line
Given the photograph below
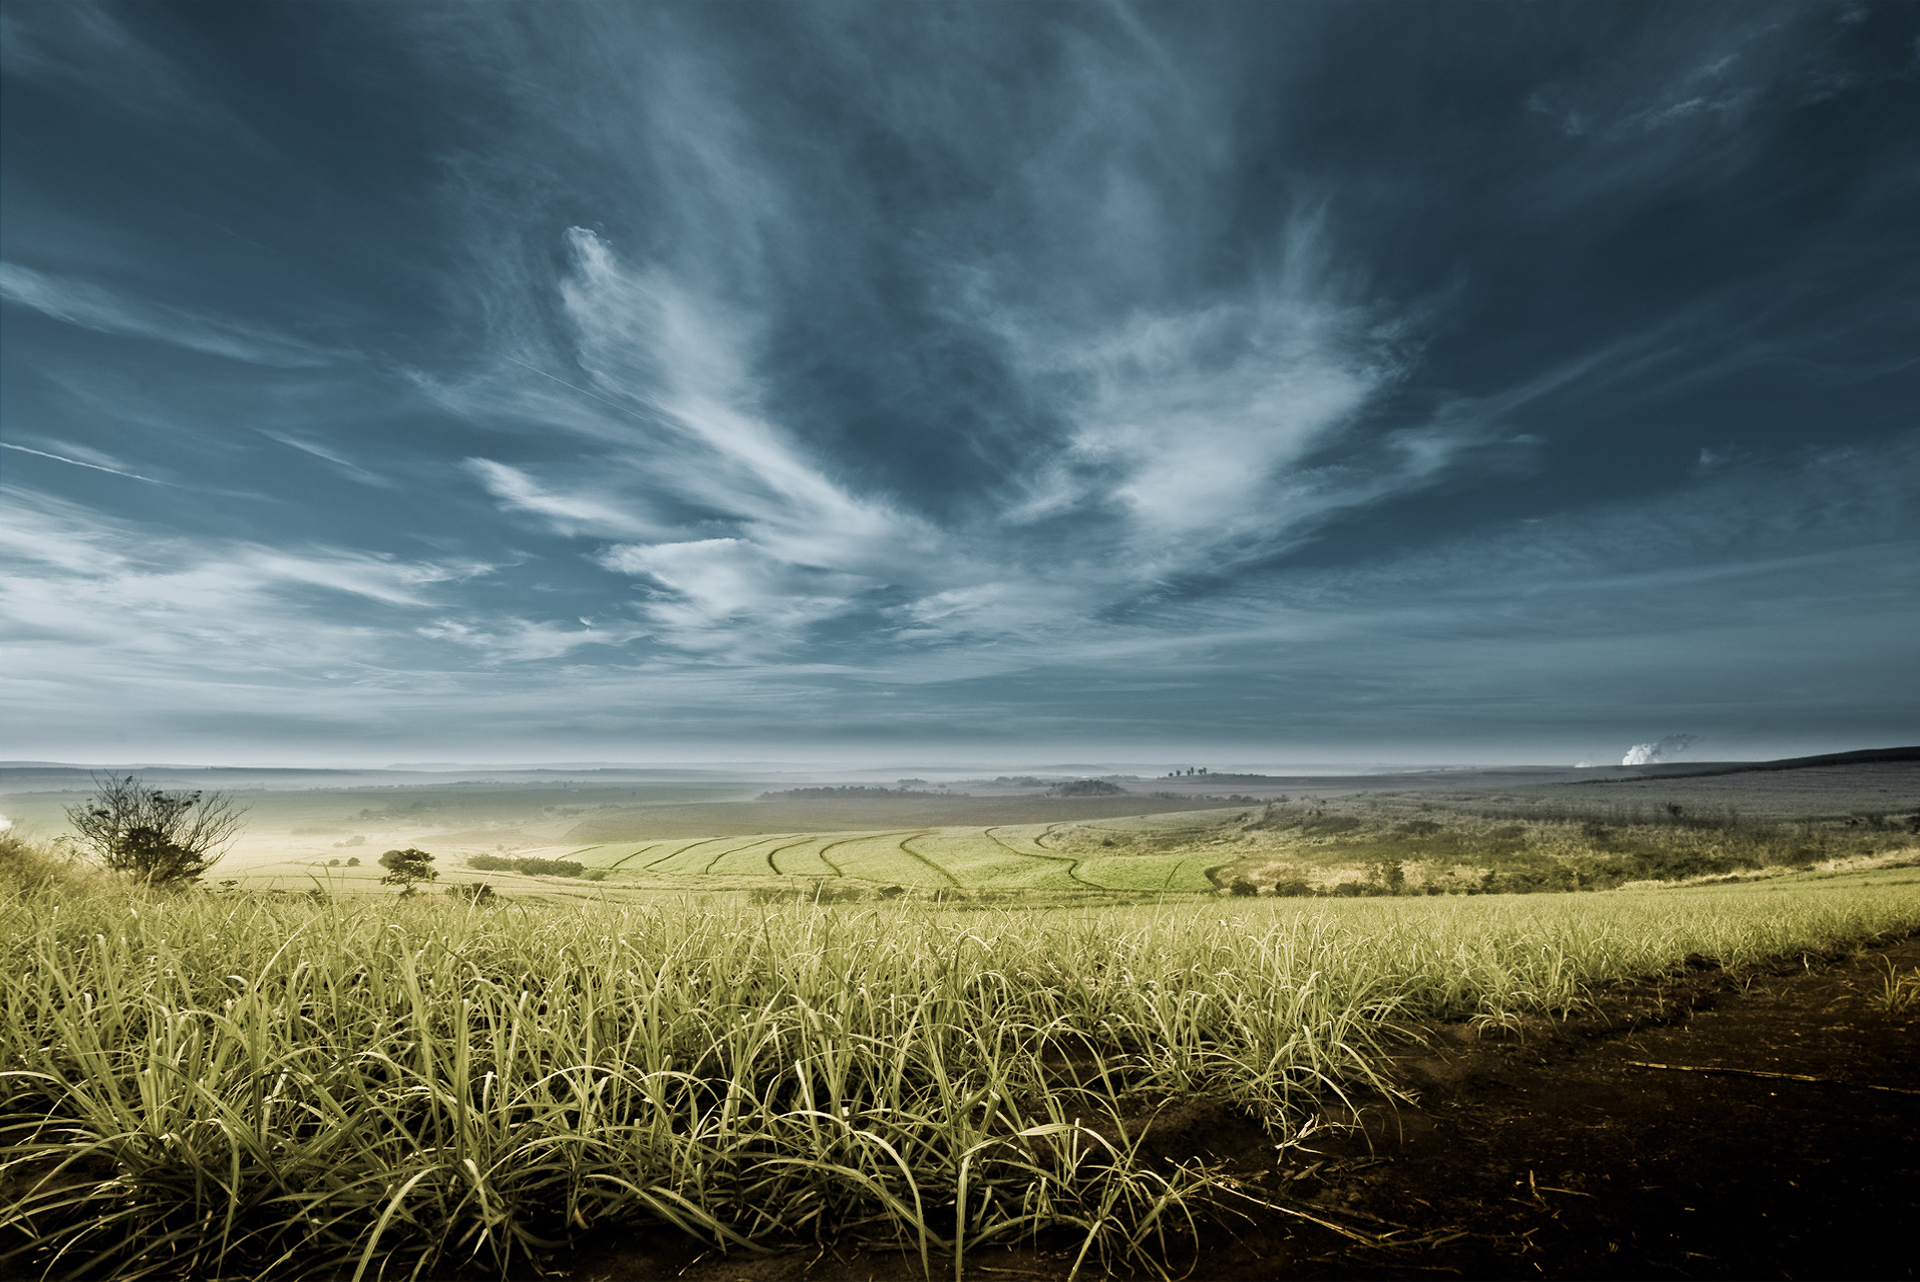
74, 462
108, 312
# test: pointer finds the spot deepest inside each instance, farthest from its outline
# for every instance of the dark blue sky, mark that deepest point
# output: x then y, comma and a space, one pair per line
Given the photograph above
1281, 382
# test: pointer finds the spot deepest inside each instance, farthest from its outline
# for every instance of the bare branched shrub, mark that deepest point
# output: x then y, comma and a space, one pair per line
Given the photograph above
157, 837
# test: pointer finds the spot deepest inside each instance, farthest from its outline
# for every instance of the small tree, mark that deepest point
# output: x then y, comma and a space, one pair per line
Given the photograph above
1389, 875
405, 867
162, 838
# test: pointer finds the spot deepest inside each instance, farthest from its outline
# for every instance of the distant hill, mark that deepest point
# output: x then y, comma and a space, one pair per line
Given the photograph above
1865, 756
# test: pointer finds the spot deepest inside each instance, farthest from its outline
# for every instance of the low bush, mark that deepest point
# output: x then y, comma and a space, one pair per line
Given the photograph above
29, 866
528, 866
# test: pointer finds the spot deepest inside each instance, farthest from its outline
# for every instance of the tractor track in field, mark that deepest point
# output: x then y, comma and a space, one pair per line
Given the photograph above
651, 845
651, 864
906, 849
1073, 865
773, 856
839, 870
706, 869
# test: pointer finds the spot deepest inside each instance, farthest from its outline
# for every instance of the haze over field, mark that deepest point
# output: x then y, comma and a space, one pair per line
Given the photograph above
959, 387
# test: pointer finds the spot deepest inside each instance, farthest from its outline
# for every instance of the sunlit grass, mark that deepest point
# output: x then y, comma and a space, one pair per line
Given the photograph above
229, 1086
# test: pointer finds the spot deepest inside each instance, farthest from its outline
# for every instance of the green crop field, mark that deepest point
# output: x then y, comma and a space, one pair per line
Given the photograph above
256, 1085
1002, 859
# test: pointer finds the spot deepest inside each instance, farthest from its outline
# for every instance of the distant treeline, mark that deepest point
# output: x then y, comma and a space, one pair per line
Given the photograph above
1216, 777
1230, 799
853, 793
531, 867
1086, 788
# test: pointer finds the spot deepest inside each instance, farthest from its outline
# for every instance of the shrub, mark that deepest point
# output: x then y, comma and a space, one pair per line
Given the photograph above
530, 866
39, 866
158, 837
1241, 887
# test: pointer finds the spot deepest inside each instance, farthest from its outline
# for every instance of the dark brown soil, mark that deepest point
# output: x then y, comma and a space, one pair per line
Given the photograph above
1551, 1149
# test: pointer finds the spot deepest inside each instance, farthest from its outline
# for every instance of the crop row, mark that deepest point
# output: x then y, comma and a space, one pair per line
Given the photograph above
1003, 859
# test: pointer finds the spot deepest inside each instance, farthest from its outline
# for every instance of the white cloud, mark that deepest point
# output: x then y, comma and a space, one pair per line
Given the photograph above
347, 466
730, 594
99, 462
95, 588
523, 640
108, 312
648, 340
567, 514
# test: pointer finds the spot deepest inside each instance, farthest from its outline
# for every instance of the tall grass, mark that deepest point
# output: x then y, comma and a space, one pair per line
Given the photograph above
214, 1086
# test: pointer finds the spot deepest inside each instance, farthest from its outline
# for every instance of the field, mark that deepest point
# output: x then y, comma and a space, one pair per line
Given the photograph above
653, 837
1463, 832
1082, 1035
1003, 859
235, 1086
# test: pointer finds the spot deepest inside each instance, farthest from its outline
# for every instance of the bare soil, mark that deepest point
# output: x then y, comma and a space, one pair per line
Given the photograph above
1548, 1149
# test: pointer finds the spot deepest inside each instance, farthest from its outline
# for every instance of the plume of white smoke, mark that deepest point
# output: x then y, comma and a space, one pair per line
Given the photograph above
1647, 754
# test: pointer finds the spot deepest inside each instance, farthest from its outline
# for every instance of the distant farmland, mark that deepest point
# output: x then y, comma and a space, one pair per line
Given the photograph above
1006, 857
872, 813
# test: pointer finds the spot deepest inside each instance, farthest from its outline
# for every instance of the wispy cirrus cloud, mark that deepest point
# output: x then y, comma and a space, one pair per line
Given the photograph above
347, 467
95, 460
107, 311
566, 513
516, 640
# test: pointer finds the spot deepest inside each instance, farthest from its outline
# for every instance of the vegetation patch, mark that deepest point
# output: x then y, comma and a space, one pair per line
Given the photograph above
851, 793
526, 865
1086, 788
219, 1086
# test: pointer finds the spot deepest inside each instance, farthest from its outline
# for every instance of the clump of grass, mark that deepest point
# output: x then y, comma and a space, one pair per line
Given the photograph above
218, 1086
29, 867
1898, 993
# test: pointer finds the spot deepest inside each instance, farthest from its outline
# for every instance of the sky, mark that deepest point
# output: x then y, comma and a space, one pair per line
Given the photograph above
1234, 383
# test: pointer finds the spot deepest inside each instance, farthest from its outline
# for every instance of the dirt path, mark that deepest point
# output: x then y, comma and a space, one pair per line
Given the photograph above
1557, 1152
1552, 1150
